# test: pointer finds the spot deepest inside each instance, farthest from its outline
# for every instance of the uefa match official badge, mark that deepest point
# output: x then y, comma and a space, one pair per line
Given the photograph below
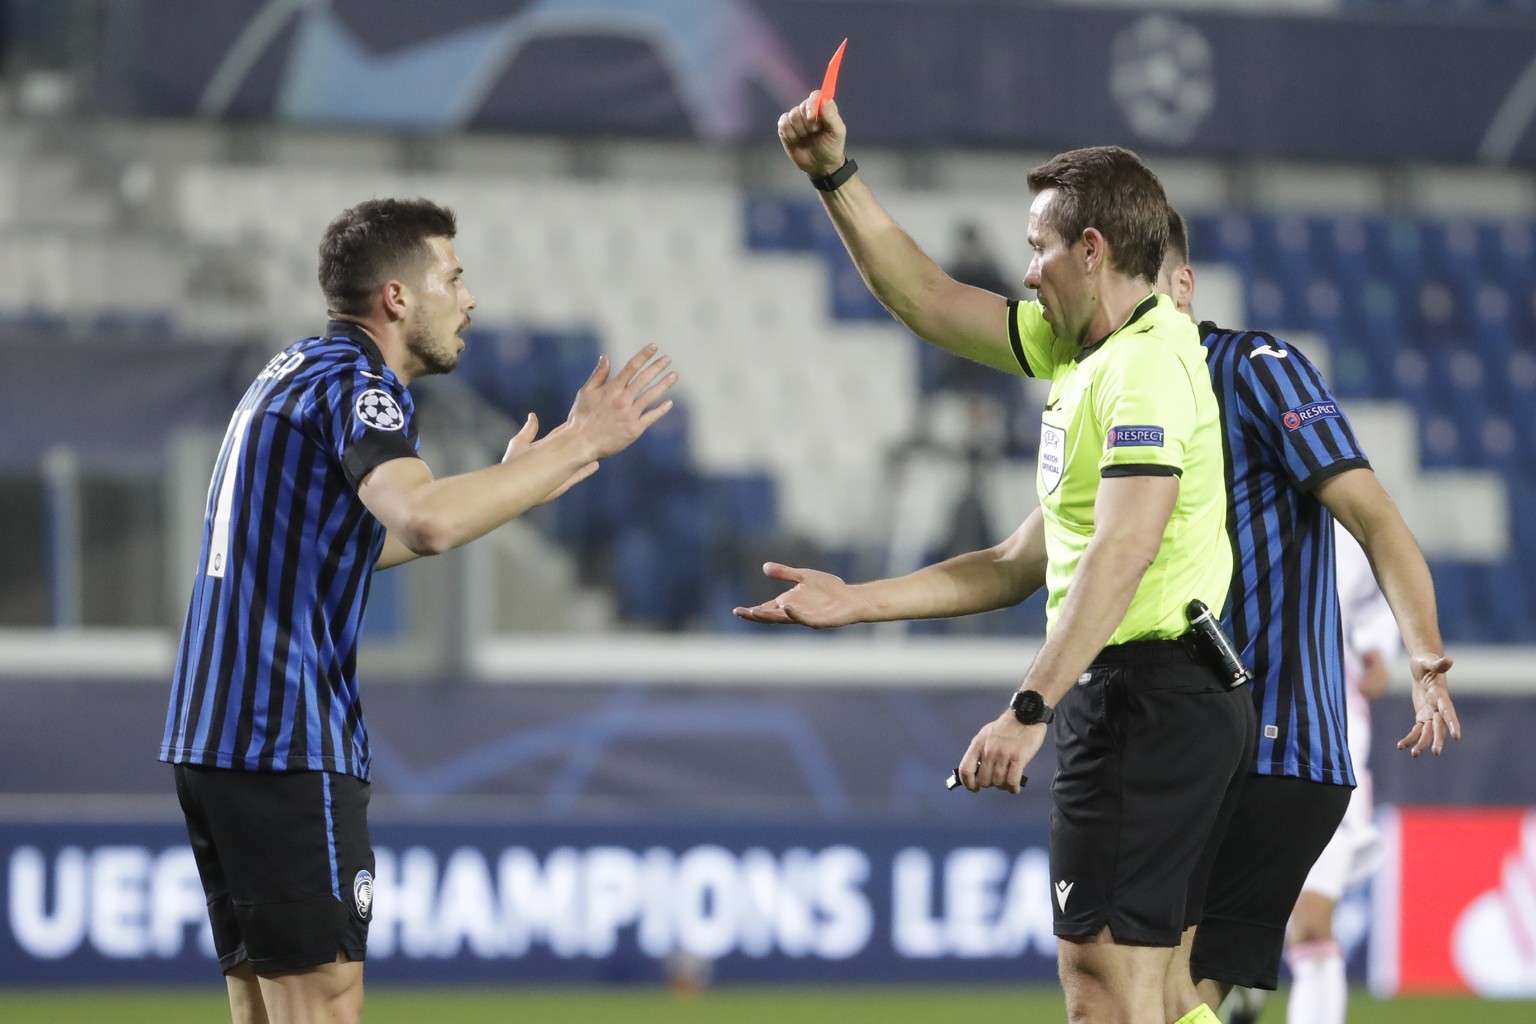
362, 893
1053, 455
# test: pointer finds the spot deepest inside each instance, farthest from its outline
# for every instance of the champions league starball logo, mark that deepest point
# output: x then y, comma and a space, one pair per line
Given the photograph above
1163, 78
379, 410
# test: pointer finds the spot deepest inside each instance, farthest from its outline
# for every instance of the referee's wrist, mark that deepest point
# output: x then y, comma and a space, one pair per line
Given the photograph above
836, 179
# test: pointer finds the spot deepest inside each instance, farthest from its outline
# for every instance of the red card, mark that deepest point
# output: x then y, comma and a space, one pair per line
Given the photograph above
829, 82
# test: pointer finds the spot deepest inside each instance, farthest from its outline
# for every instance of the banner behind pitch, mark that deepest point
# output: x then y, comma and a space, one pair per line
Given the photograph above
568, 903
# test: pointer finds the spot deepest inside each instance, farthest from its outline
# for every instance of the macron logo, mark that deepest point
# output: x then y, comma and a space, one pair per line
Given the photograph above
1063, 890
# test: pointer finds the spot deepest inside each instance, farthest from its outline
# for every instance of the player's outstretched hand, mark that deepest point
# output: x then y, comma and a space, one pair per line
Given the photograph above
1434, 716
817, 599
612, 410
523, 442
814, 143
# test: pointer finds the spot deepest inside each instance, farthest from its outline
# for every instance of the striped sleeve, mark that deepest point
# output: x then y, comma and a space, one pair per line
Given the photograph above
365, 422
1287, 406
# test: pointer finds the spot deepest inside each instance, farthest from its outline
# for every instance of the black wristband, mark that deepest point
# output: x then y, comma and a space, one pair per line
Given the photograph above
834, 181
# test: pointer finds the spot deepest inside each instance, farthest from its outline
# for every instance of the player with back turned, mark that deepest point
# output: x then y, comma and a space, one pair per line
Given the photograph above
1130, 530
1293, 466
317, 484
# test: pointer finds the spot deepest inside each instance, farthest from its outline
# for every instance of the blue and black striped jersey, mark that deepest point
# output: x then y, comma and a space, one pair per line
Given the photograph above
1284, 434
266, 675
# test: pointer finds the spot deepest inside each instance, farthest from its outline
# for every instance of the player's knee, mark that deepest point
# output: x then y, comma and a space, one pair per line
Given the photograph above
1094, 988
346, 1005
1311, 921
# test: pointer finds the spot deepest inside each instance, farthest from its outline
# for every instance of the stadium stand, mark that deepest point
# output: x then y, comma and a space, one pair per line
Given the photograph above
800, 389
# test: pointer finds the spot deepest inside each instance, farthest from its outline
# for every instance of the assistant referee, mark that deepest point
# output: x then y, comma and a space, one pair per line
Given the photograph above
1152, 744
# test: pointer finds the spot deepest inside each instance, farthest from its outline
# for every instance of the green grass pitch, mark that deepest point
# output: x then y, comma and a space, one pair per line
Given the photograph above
728, 1005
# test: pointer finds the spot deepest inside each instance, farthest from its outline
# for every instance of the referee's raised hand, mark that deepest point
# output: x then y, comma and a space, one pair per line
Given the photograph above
613, 409
814, 143
1434, 716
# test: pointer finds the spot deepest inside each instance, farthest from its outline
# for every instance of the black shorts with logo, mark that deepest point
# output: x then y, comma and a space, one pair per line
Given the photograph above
1277, 833
1152, 749
286, 864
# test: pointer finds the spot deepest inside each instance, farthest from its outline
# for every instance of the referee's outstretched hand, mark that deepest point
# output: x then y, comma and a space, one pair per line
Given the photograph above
815, 144
1434, 716
612, 410
818, 599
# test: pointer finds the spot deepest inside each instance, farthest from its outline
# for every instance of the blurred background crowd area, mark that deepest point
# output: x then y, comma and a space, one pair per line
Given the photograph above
167, 168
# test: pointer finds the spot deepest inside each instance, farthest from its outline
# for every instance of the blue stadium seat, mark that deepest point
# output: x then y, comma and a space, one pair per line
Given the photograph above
776, 223
1453, 596
1506, 602
1459, 378
1281, 261
1205, 241
1493, 322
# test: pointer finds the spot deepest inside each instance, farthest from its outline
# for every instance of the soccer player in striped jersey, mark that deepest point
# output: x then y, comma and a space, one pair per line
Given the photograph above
317, 484
1293, 465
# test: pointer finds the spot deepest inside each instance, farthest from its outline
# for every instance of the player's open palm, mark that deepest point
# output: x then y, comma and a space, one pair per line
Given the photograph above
814, 143
1434, 718
818, 599
613, 409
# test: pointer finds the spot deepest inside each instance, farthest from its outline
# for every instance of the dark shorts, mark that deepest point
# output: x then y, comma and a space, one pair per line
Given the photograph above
286, 864
1152, 749
1280, 827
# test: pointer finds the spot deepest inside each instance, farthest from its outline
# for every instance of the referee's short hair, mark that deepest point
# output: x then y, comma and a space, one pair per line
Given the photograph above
374, 241
1109, 188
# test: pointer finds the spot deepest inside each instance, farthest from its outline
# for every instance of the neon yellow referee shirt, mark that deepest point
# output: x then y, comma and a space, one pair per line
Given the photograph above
1138, 402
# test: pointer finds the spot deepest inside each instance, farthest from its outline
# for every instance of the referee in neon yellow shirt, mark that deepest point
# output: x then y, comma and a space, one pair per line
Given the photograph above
1152, 746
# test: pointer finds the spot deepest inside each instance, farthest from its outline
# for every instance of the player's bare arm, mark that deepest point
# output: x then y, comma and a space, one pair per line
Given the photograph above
1357, 499
978, 581
396, 553
427, 515
1130, 516
967, 321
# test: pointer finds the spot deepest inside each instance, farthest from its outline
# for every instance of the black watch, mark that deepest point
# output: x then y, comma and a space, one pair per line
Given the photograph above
1030, 708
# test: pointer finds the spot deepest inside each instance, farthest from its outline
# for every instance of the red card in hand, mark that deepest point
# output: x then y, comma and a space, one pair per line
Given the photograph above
829, 82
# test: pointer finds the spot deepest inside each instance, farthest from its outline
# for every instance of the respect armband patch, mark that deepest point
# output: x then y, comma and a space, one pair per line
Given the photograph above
1133, 437
1300, 416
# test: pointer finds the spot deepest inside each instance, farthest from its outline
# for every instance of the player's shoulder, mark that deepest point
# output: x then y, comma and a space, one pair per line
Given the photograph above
1257, 350
339, 362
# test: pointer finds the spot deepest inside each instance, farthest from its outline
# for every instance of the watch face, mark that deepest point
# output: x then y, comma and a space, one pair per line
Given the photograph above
1027, 706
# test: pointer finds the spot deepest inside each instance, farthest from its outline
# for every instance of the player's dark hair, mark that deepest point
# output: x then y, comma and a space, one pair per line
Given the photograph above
1108, 188
374, 241
1178, 236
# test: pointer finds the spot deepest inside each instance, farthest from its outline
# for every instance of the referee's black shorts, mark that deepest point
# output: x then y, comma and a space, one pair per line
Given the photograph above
1277, 833
285, 861
1152, 749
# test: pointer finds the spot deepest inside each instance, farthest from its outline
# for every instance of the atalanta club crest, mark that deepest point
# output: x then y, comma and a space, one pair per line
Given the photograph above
362, 893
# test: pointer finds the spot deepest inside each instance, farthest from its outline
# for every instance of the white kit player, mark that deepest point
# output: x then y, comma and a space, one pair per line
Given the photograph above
1371, 644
